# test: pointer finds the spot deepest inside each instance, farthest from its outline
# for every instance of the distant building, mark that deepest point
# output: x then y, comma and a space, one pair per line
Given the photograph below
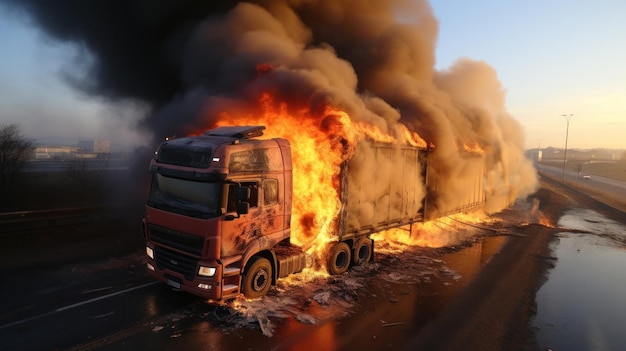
95, 146
85, 149
50, 152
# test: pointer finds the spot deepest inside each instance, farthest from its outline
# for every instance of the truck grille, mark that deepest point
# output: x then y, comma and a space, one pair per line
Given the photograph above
181, 241
174, 261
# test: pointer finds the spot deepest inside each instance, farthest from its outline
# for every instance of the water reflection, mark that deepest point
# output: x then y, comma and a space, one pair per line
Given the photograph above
390, 307
322, 338
581, 306
590, 221
469, 261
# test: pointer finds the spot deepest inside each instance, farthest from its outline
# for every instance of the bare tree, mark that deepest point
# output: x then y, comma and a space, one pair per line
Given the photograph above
15, 150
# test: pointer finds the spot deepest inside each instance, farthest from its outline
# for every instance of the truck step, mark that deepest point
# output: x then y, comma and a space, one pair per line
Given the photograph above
230, 291
230, 288
231, 271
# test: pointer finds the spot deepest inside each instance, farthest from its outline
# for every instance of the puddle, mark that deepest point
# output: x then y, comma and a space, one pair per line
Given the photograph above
469, 261
581, 306
594, 223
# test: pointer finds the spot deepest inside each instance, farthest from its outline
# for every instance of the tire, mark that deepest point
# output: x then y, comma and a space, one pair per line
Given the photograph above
257, 279
338, 259
362, 251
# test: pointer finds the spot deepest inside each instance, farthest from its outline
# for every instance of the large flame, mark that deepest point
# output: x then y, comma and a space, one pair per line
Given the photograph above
320, 143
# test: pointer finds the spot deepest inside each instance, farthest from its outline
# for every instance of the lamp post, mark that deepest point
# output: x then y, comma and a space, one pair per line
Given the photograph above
567, 118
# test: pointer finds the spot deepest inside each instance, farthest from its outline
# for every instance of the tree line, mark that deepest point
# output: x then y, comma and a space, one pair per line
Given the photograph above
15, 150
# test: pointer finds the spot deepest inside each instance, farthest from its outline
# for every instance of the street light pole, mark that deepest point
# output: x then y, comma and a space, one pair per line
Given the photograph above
568, 118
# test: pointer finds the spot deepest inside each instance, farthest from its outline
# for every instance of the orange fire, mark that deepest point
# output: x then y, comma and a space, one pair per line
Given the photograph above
472, 147
319, 144
545, 221
536, 216
441, 232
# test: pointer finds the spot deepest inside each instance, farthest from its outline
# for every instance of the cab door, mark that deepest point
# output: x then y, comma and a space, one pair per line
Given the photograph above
239, 230
272, 208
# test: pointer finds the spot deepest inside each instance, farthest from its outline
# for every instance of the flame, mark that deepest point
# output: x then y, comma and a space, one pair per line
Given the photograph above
437, 233
413, 138
536, 216
316, 164
545, 221
473, 147
319, 144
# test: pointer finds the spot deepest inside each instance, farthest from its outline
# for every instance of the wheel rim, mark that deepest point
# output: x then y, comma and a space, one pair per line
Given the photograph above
341, 260
260, 280
363, 253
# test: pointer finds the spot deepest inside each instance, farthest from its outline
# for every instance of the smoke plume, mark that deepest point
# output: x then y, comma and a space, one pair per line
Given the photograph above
194, 60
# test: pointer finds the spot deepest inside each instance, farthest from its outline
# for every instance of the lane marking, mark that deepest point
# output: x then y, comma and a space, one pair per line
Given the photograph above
65, 308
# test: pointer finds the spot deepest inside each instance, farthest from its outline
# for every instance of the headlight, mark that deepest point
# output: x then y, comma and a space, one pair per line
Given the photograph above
206, 271
150, 252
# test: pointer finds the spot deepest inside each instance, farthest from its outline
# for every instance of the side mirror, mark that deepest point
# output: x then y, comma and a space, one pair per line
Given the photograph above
243, 193
243, 207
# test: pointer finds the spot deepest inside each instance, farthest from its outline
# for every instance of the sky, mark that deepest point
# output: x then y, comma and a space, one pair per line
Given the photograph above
34, 95
553, 58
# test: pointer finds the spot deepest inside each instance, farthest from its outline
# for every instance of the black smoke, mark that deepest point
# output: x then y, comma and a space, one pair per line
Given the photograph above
192, 60
133, 47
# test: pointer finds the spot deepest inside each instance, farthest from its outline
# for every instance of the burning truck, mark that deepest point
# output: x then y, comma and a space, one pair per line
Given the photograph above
219, 218
305, 68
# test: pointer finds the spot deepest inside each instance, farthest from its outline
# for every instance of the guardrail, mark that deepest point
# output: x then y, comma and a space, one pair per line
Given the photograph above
12, 223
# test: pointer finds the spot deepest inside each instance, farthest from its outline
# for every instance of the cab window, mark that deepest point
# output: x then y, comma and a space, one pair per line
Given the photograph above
270, 191
232, 195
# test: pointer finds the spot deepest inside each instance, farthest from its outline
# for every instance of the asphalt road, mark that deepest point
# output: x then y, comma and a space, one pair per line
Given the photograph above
64, 291
91, 292
112, 304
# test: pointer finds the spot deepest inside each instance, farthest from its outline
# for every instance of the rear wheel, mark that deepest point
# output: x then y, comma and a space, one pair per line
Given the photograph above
338, 259
362, 251
257, 279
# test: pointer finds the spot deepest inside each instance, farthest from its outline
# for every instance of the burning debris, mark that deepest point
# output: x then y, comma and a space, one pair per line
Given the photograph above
312, 298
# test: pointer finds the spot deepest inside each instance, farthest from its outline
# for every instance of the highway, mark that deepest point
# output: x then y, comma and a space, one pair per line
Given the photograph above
611, 187
83, 285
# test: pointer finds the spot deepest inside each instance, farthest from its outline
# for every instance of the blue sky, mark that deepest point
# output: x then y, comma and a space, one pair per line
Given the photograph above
552, 57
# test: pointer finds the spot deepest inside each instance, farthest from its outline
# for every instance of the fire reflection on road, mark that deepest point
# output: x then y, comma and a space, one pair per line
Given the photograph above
403, 289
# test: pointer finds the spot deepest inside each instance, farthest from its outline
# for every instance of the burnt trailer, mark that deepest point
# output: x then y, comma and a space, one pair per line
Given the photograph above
383, 186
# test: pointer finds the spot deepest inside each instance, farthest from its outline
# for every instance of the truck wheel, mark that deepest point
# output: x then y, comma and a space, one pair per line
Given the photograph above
362, 251
338, 259
257, 279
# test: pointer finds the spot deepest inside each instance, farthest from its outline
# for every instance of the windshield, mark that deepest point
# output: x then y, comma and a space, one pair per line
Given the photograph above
187, 197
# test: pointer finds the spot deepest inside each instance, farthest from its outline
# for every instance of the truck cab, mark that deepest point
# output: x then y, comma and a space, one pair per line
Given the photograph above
217, 219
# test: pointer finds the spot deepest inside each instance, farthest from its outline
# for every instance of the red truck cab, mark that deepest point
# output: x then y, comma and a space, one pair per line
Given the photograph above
217, 220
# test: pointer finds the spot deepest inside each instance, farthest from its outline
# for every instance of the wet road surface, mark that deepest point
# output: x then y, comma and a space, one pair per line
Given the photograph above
88, 301
113, 305
581, 306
